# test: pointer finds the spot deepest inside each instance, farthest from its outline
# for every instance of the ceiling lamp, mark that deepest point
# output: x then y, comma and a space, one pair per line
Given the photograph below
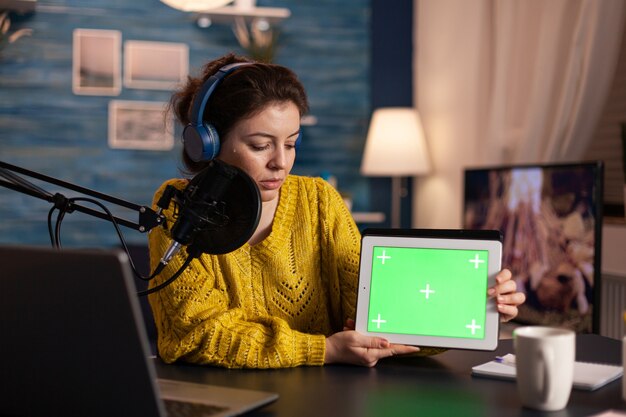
195, 5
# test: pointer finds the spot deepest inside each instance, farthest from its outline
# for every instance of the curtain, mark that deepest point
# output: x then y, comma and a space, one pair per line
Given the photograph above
507, 81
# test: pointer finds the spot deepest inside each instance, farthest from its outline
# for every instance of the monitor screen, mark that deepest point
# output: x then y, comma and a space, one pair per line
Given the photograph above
551, 220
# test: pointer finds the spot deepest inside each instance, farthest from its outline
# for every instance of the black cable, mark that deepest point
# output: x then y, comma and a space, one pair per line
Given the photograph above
57, 228
50, 231
169, 280
117, 229
66, 207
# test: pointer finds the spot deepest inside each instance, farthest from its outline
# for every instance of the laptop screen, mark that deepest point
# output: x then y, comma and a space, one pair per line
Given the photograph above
70, 324
72, 329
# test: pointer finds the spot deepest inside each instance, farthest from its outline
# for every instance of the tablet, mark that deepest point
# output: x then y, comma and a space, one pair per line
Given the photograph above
428, 287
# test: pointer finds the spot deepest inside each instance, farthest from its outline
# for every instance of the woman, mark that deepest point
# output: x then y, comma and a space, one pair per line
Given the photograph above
287, 297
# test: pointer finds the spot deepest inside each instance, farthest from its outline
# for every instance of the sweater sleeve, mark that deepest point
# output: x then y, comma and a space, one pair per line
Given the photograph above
196, 321
346, 245
343, 246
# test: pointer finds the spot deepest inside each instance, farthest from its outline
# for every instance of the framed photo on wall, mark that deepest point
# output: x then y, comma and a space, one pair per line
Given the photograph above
141, 125
96, 62
155, 65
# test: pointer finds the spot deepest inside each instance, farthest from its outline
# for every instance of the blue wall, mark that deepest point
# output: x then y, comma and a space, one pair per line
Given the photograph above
391, 85
44, 127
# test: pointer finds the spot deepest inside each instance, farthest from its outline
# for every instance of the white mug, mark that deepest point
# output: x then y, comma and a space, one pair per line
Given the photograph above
544, 362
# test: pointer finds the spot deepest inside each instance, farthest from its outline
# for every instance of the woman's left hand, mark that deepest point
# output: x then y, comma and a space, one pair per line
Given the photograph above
506, 295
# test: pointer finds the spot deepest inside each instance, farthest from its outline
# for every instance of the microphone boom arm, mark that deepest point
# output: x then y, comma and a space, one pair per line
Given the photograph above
148, 218
206, 228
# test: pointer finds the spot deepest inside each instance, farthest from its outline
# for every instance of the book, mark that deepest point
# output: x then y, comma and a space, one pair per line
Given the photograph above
610, 413
587, 376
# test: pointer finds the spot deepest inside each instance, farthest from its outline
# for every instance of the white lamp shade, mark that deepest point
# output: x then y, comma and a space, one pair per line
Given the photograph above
395, 144
195, 5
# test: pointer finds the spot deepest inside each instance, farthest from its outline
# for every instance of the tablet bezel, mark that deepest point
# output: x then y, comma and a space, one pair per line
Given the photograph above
490, 240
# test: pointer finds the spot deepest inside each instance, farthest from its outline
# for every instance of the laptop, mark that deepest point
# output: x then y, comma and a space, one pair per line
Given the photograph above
74, 342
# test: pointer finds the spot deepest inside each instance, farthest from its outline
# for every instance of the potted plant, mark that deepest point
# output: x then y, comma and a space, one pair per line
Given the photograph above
259, 39
7, 37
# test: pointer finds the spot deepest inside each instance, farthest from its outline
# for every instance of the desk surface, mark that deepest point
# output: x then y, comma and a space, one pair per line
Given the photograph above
441, 385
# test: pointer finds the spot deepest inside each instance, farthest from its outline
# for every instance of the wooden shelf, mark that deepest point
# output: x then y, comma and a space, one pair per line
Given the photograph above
228, 14
19, 6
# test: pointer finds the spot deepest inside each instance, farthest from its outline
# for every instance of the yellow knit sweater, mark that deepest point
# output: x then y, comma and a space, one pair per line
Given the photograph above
269, 305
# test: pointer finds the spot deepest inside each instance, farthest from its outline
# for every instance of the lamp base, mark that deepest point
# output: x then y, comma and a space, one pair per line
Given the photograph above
396, 201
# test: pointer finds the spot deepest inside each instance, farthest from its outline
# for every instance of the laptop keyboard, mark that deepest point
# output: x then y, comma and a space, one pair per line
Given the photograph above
176, 408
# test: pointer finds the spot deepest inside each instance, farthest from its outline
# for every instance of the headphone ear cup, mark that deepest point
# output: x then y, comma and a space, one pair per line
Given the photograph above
211, 146
201, 142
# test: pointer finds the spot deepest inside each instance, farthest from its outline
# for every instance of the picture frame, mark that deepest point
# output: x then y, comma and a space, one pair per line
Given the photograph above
142, 125
96, 62
155, 65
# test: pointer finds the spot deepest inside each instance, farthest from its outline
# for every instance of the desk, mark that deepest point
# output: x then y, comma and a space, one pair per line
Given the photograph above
441, 385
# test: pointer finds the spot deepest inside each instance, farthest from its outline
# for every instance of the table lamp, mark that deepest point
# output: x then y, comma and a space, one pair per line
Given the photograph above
396, 148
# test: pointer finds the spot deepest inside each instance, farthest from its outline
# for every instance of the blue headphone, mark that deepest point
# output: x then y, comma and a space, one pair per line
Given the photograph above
201, 140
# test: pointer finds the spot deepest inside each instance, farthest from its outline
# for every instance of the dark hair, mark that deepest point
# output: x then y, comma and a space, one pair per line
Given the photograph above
241, 94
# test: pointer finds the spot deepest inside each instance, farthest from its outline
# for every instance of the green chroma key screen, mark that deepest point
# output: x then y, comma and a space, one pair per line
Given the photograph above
433, 292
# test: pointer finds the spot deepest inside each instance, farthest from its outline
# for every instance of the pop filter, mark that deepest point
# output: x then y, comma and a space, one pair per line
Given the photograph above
231, 206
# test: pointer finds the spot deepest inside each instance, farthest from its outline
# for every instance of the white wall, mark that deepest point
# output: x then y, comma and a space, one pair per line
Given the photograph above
614, 249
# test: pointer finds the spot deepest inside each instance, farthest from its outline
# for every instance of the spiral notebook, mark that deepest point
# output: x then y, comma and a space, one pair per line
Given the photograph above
587, 376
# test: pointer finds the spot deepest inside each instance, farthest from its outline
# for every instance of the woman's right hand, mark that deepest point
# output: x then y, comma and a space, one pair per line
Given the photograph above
351, 347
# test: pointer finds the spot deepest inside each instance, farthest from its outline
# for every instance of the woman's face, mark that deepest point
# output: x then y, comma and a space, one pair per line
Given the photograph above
263, 146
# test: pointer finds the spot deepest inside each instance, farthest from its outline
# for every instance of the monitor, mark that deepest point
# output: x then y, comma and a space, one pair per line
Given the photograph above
550, 216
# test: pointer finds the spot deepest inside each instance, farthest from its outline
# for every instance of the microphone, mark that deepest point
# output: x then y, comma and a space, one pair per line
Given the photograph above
218, 212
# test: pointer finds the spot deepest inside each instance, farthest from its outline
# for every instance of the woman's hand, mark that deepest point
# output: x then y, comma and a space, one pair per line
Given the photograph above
506, 295
354, 348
